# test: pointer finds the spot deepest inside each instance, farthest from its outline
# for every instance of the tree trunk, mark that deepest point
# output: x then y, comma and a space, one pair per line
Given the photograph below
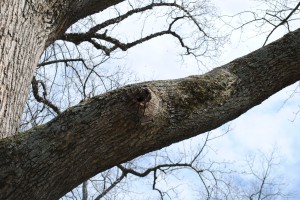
21, 43
48, 161
26, 28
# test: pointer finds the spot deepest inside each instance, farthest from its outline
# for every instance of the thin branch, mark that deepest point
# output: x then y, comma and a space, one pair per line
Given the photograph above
84, 190
91, 35
35, 90
78, 38
283, 21
139, 10
59, 61
154, 185
148, 171
118, 180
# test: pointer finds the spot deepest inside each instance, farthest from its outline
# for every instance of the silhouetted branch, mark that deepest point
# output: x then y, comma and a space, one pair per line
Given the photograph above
44, 100
92, 36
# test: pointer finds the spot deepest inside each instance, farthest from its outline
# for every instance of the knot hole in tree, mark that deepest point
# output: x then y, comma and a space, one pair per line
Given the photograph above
143, 96
146, 104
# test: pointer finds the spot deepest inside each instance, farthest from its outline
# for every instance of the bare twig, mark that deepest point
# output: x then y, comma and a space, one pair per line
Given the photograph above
282, 22
43, 99
95, 38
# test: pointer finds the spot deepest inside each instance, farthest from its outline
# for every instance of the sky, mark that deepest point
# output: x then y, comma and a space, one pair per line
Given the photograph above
272, 124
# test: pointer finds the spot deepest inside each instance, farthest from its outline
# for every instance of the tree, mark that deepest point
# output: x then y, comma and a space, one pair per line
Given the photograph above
117, 126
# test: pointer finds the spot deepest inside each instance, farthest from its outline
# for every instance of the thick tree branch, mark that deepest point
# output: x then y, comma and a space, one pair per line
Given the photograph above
67, 12
84, 8
118, 126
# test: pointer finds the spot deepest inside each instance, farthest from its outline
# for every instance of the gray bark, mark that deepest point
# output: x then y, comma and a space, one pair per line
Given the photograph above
18, 29
101, 132
48, 161
26, 28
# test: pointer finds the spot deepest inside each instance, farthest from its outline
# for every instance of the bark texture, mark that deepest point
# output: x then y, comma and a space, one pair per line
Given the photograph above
26, 28
48, 161
18, 29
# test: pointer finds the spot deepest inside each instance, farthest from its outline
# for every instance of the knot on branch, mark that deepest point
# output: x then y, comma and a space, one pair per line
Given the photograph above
146, 104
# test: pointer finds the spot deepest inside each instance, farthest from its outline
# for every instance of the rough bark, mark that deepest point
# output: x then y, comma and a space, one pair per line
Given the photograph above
48, 161
18, 29
26, 28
